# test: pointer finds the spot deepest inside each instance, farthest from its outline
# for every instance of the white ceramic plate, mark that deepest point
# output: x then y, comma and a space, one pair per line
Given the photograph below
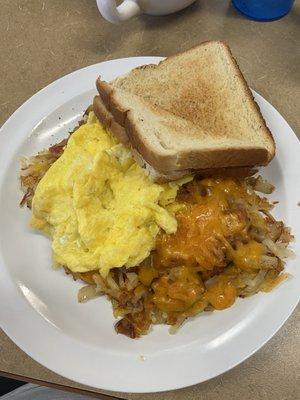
39, 309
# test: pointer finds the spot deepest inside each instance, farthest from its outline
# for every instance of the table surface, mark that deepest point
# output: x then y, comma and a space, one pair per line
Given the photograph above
44, 40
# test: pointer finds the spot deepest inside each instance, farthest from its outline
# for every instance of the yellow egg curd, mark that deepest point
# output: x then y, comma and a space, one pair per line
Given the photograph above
98, 205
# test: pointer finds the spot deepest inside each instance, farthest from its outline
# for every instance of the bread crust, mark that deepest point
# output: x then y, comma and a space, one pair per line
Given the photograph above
247, 94
107, 119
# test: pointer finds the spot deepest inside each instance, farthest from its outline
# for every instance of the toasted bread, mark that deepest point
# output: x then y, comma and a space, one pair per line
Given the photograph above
193, 111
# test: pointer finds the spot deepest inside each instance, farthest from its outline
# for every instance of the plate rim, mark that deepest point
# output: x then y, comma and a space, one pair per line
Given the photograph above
24, 305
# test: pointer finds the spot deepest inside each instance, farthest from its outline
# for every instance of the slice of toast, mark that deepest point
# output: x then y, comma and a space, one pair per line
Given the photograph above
205, 86
193, 111
170, 142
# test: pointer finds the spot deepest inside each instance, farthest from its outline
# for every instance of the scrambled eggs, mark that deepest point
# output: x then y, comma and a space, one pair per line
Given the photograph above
98, 205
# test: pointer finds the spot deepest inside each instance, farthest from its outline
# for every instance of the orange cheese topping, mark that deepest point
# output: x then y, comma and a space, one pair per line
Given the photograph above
222, 294
178, 292
204, 224
146, 274
210, 219
248, 256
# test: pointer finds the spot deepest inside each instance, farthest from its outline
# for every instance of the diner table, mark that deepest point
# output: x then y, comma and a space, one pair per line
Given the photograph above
43, 40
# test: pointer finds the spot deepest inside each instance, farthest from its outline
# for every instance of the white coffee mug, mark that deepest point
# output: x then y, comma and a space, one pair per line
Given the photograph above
130, 8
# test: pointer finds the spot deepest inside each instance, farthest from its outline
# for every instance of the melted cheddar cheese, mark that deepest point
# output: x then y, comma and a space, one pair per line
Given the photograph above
222, 294
178, 292
209, 223
204, 228
247, 256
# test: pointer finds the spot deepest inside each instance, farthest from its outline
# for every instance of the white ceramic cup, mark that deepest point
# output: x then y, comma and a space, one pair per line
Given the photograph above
130, 8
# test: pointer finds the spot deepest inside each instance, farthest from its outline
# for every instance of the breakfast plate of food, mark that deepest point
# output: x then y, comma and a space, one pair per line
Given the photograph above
148, 226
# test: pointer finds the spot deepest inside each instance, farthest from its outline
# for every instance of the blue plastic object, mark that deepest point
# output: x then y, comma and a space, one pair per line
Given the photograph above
263, 10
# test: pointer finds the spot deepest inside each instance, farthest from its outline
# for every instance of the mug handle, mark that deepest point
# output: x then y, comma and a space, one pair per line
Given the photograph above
114, 14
